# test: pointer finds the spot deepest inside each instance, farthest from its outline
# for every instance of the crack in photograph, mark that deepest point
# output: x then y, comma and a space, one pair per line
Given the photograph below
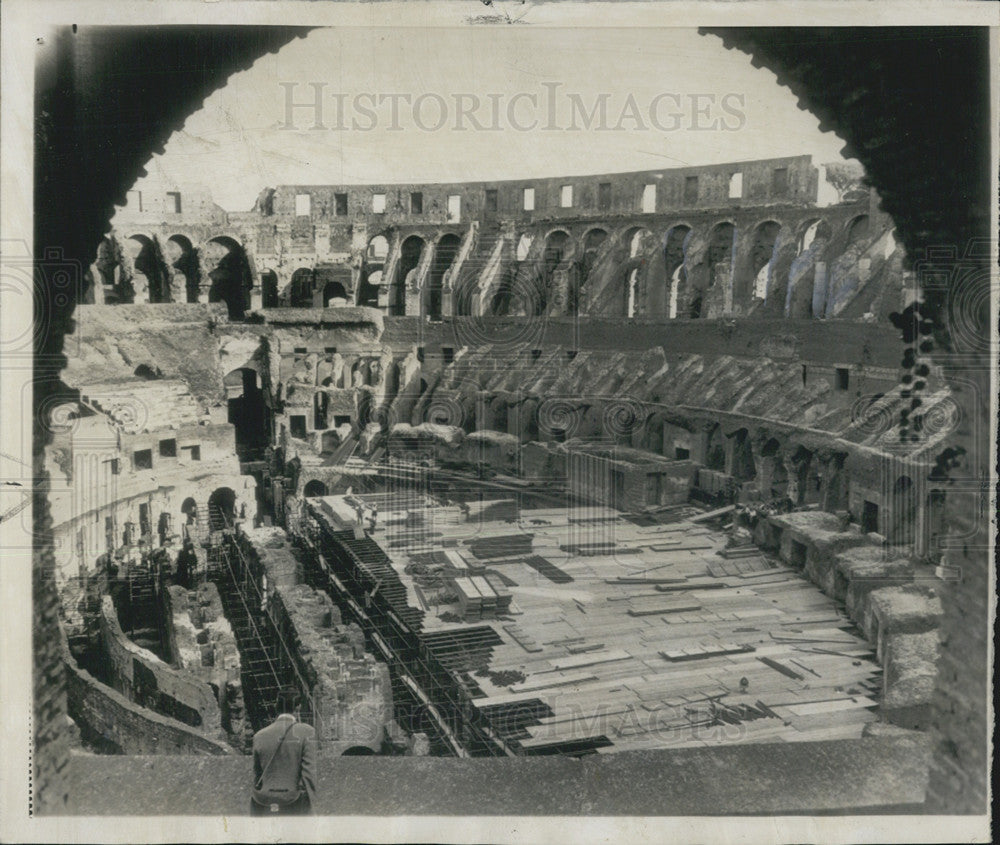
596, 420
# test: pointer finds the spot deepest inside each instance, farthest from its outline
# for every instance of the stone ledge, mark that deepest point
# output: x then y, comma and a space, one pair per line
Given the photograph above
878, 774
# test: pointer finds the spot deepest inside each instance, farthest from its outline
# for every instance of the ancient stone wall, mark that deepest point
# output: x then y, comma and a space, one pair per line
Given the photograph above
202, 644
143, 678
112, 723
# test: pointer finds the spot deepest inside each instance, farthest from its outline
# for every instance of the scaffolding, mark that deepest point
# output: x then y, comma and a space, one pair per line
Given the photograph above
268, 662
435, 668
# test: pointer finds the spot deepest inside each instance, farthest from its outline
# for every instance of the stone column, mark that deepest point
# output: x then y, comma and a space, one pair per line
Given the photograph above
204, 280
819, 289
257, 293
411, 293
792, 469
730, 449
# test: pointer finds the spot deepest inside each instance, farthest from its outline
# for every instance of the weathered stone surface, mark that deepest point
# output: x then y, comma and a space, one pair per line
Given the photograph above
900, 610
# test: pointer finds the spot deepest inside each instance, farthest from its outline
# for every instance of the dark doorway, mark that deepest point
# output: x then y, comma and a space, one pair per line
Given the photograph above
409, 259
301, 289
797, 554
314, 488
247, 412
334, 295
869, 518
269, 289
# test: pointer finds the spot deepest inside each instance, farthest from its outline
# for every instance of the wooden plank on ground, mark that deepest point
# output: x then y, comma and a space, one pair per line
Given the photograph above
702, 652
702, 517
671, 608
544, 682
778, 667
590, 659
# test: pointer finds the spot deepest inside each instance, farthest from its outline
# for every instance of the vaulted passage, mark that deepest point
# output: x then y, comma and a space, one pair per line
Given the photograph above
248, 411
445, 251
227, 267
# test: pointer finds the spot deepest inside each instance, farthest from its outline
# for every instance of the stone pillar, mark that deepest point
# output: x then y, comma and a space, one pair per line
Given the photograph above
832, 495
921, 529
727, 286
411, 293
819, 289
526, 411
730, 448
448, 291
792, 468
699, 443
765, 476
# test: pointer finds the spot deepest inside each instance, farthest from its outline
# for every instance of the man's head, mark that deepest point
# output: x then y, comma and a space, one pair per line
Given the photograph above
288, 700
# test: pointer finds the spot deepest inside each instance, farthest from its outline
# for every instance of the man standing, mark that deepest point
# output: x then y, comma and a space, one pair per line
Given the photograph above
284, 763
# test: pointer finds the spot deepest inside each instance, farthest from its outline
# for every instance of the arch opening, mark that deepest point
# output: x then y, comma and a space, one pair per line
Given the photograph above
444, 256
221, 509
763, 251
314, 488
674, 254
269, 289
229, 270
148, 276
182, 259
410, 253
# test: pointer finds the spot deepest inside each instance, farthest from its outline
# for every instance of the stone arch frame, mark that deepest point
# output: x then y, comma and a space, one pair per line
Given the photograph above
794, 299
585, 265
778, 54
745, 290
633, 282
288, 292
806, 224
802, 458
851, 224
187, 264
330, 290
743, 467
315, 485
432, 296
559, 230
398, 284
386, 235
549, 262
702, 269
676, 288
236, 294
150, 251
269, 288
219, 515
